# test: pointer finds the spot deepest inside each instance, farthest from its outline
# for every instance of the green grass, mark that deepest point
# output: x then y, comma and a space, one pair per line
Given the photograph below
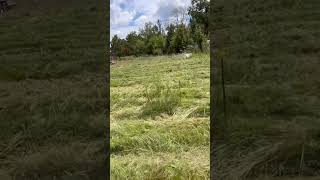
271, 63
160, 118
52, 92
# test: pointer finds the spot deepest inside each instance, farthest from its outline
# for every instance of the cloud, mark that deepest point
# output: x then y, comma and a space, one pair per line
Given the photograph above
166, 8
123, 31
119, 16
140, 21
131, 15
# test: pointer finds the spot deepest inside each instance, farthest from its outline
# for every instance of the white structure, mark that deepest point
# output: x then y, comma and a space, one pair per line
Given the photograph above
187, 55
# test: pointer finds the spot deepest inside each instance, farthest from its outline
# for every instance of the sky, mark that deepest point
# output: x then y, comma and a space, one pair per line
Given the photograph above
131, 15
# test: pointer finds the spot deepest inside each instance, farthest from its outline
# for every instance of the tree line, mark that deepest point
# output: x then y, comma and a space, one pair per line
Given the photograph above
189, 32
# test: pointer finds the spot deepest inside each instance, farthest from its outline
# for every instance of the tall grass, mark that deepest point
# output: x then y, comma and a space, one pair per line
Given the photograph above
161, 98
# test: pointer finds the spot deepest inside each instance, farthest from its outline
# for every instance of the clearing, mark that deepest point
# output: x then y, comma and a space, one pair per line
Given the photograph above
160, 118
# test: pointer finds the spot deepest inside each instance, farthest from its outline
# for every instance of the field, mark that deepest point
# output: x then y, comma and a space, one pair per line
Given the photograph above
52, 91
271, 61
160, 118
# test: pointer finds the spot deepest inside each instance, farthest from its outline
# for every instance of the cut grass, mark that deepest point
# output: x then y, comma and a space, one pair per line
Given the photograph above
159, 128
52, 91
271, 70
157, 165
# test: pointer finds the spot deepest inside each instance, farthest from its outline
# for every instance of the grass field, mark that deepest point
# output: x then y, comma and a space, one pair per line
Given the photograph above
271, 59
160, 118
52, 91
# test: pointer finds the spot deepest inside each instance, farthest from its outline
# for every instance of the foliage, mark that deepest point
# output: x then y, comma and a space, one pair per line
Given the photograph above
199, 12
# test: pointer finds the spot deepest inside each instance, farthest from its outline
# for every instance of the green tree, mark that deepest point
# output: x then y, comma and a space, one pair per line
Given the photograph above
197, 36
199, 12
140, 47
157, 44
116, 45
119, 46
150, 30
180, 39
169, 39
132, 40
159, 25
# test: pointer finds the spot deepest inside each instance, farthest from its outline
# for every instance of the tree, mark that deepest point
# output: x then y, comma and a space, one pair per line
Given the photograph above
180, 39
140, 47
199, 12
119, 46
169, 38
197, 36
146, 33
115, 45
160, 31
157, 44
132, 39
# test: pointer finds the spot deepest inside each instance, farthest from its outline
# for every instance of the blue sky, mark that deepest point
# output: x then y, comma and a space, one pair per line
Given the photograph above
130, 15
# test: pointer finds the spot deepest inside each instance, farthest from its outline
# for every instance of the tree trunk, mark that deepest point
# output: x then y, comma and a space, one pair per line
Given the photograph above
200, 45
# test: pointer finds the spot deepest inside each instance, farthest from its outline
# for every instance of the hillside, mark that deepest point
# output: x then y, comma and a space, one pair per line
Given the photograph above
270, 51
160, 118
52, 91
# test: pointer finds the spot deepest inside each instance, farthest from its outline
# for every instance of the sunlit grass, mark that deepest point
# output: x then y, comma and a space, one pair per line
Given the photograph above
159, 127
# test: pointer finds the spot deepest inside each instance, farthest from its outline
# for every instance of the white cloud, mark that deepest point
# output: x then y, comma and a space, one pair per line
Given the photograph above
141, 20
123, 31
120, 17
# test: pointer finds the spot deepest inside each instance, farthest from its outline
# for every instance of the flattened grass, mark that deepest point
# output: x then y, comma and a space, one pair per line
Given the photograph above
270, 52
159, 127
52, 93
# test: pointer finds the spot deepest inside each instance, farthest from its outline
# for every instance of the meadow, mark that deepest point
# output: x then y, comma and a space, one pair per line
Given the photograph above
53, 91
160, 117
270, 52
